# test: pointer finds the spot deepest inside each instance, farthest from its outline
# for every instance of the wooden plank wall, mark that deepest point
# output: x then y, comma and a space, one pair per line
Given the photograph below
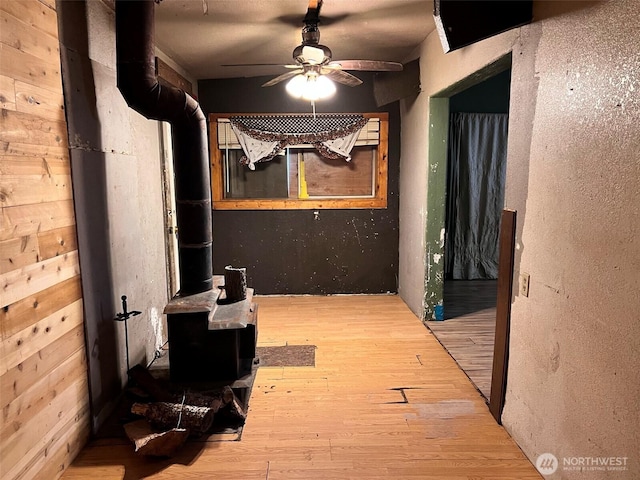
44, 402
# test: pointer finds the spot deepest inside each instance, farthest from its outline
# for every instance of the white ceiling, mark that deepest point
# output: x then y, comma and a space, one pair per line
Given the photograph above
267, 31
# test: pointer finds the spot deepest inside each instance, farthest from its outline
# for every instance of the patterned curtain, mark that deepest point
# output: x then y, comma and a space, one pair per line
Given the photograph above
263, 136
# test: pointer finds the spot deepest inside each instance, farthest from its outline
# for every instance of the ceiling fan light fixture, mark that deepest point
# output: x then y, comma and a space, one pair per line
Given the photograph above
310, 87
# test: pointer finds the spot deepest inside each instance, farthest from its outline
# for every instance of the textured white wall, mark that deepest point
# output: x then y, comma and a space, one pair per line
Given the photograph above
573, 387
573, 176
134, 194
117, 168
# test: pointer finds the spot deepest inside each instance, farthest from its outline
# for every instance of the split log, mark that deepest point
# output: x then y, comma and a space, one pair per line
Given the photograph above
236, 411
175, 415
157, 444
231, 413
214, 400
235, 284
146, 381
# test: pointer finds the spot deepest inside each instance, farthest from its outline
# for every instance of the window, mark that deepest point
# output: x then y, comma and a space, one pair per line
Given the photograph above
299, 176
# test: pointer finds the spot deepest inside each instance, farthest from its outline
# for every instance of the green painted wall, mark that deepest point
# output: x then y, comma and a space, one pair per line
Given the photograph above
436, 186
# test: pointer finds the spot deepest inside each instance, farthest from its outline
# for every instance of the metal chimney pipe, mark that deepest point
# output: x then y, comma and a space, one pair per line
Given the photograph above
138, 83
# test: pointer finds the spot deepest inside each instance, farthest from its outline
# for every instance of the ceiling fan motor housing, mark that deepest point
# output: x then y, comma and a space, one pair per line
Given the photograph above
320, 54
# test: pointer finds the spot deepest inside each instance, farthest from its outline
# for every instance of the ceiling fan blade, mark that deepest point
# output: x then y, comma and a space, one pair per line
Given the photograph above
327, 69
259, 65
344, 78
294, 20
282, 78
368, 65
289, 66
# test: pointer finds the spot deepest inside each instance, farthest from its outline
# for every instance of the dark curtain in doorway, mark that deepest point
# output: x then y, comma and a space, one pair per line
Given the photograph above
475, 194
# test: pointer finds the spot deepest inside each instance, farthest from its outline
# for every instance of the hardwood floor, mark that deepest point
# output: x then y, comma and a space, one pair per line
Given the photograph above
384, 401
469, 328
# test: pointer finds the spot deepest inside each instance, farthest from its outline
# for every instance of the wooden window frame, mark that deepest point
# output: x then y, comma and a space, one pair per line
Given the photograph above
378, 201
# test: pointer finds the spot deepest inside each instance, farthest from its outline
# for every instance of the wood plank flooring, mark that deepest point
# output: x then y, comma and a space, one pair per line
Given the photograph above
384, 401
469, 328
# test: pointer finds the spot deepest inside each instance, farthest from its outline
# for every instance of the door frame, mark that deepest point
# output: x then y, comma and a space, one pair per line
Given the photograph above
169, 203
433, 304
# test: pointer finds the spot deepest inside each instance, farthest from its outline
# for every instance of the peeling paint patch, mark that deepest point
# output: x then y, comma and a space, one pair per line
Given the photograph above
158, 328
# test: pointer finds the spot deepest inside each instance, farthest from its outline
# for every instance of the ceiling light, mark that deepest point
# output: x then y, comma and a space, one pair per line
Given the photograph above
310, 86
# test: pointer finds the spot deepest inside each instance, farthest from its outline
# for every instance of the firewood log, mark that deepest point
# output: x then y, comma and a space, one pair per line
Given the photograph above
175, 415
231, 413
146, 381
236, 411
157, 444
213, 399
235, 284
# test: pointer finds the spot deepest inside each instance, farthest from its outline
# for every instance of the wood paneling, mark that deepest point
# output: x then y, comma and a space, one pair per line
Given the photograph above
46, 152
7, 93
18, 412
57, 242
169, 76
24, 375
27, 189
384, 401
32, 339
43, 165
31, 219
43, 371
31, 279
39, 101
30, 309
24, 37
33, 13
30, 69
26, 128
19, 252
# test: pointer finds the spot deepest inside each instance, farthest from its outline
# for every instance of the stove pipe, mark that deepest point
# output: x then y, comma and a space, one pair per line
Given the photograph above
139, 86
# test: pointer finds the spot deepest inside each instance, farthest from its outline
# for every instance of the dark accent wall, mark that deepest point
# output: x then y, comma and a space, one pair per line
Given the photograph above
295, 251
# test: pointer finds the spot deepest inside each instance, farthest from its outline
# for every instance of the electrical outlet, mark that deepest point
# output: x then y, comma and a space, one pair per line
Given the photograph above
524, 284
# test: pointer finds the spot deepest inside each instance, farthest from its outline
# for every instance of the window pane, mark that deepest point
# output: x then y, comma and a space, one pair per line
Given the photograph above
337, 178
268, 180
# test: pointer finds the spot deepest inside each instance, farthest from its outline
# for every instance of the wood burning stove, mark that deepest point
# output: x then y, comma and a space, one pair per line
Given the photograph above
211, 340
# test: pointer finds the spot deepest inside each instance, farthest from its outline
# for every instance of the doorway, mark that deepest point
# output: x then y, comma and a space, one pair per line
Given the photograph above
474, 199
169, 204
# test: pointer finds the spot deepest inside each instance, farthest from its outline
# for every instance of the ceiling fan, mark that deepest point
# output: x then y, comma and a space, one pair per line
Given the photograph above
314, 65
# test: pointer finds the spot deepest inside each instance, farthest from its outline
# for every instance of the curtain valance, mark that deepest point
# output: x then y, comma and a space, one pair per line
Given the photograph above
263, 136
